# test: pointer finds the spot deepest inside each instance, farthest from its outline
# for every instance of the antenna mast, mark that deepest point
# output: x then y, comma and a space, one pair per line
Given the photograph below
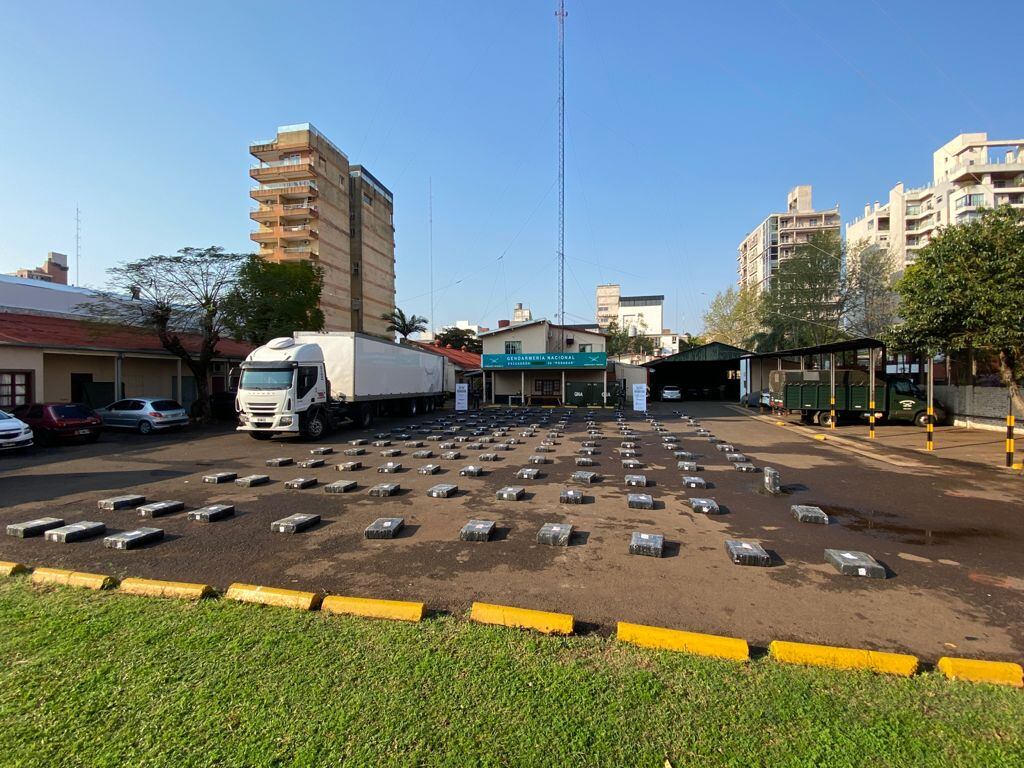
78, 247
430, 224
561, 14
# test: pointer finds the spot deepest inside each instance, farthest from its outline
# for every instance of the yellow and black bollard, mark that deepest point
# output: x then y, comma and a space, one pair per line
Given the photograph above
930, 435
1009, 438
871, 420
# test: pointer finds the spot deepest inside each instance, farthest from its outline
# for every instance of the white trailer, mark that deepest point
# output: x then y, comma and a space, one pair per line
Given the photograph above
311, 383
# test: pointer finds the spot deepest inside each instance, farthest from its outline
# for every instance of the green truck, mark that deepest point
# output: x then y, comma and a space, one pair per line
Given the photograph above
896, 399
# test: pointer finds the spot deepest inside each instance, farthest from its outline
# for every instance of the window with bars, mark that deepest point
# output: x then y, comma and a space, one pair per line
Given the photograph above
15, 388
546, 386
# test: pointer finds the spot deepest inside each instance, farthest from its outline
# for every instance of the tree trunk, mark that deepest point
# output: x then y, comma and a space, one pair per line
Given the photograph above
1007, 365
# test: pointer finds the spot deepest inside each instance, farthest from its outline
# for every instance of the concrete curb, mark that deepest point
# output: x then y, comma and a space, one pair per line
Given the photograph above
72, 578
523, 618
281, 598
719, 647
11, 569
978, 671
843, 658
156, 588
397, 610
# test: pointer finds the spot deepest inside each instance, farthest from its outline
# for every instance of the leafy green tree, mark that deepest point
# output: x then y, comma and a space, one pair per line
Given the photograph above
459, 338
402, 325
966, 291
271, 300
174, 296
617, 342
732, 317
805, 300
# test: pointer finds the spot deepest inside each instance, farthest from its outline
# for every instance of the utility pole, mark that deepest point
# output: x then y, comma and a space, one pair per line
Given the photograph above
561, 14
78, 247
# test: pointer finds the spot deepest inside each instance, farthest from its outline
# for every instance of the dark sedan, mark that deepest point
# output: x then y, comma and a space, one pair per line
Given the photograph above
61, 422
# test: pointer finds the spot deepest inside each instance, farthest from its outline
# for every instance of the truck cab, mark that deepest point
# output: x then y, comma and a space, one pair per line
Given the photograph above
283, 389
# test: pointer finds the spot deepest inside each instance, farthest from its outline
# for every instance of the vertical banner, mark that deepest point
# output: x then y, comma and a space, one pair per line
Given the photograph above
462, 397
640, 397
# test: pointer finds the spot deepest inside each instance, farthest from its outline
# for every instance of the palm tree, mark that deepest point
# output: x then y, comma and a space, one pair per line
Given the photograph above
402, 325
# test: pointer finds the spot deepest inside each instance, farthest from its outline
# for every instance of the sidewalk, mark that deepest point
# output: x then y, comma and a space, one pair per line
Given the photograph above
972, 446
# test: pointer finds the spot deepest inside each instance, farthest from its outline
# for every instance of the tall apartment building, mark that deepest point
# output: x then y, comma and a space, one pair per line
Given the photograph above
607, 305
313, 206
521, 314
968, 173
54, 270
776, 238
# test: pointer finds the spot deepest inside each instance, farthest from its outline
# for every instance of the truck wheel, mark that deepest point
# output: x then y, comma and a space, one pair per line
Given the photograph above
921, 419
364, 416
261, 435
825, 419
412, 407
315, 425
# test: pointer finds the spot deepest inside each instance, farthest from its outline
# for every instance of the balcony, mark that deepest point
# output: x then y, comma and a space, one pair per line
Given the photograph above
264, 236
286, 189
283, 170
298, 233
272, 214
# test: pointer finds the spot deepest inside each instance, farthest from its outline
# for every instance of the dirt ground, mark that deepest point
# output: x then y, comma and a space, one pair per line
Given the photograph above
950, 534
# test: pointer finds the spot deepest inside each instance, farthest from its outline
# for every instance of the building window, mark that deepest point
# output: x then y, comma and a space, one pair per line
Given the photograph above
513, 347
970, 200
586, 347
367, 199
15, 388
545, 386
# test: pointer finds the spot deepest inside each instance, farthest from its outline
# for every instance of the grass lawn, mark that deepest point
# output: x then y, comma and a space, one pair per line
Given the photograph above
105, 679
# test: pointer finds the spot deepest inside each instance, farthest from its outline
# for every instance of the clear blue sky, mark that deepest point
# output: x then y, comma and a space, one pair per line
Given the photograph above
687, 123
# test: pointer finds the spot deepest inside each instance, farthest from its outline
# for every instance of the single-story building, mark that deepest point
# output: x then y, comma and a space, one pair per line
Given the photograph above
66, 359
708, 372
541, 363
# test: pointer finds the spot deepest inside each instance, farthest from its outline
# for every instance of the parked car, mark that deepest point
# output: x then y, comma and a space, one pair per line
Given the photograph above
53, 422
144, 414
14, 433
671, 392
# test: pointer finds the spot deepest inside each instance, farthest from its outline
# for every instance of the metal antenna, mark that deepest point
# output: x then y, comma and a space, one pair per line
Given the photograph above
430, 226
78, 247
561, 14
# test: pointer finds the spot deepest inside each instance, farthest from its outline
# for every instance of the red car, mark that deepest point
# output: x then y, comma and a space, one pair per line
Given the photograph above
57, 422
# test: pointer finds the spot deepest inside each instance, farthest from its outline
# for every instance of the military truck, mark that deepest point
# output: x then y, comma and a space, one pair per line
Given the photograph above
896, 398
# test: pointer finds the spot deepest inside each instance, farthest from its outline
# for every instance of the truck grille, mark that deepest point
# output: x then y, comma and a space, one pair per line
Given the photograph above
262, 407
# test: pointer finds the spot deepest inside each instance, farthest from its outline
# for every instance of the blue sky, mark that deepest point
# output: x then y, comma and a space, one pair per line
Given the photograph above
686, 124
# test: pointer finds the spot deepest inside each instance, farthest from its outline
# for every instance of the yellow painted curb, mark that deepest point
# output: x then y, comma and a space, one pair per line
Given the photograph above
506, 616
780, 423
843, 658
720, 647
282, 598
157, 588
978, 671
399, 610
820, 437
10, 569
72, 578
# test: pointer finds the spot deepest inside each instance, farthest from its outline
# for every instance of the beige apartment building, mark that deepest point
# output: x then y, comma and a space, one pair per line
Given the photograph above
776, 238
313, 206
968, 173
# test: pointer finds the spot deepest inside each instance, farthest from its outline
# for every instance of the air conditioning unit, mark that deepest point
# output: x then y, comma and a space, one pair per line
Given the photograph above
569, 341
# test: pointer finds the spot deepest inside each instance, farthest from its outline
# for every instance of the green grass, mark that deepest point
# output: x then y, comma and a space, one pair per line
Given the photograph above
105, 679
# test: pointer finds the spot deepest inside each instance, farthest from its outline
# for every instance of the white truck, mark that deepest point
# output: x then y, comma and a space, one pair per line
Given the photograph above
311, 383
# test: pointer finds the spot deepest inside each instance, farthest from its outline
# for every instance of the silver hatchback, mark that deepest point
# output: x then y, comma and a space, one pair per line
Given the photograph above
144, 414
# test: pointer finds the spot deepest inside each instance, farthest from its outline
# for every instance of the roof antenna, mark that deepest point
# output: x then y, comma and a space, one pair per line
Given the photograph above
78, 247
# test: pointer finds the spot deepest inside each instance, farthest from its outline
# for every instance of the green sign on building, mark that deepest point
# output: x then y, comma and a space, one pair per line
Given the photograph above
547, 360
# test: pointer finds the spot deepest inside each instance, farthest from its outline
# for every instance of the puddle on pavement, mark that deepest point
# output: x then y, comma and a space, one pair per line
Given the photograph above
887, 525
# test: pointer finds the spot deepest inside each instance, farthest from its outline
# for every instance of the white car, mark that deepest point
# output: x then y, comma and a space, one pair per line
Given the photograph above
671, 392
14, 433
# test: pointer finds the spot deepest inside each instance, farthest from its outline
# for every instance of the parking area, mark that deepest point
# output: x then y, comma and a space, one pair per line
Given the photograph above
949, 535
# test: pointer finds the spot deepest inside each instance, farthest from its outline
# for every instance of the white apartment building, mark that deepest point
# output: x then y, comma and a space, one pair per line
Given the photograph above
521, 314
968, 173
776, 238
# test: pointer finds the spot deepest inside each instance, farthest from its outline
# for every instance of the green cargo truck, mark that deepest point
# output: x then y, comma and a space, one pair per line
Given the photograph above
896, 399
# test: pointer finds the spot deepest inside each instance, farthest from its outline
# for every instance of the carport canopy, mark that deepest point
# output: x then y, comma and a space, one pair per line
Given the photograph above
707, 372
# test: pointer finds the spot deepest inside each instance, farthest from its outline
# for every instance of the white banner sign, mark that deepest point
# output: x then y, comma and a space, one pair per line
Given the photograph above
462, 397
640, 397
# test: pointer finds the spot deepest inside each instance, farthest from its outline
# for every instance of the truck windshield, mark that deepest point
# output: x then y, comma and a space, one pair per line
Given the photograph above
264, 378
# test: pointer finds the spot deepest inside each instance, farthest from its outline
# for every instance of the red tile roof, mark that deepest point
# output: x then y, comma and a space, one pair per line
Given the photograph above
71, 333
463, 359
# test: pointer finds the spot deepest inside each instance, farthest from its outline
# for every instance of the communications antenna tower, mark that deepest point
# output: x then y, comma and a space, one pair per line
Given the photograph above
560, 15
